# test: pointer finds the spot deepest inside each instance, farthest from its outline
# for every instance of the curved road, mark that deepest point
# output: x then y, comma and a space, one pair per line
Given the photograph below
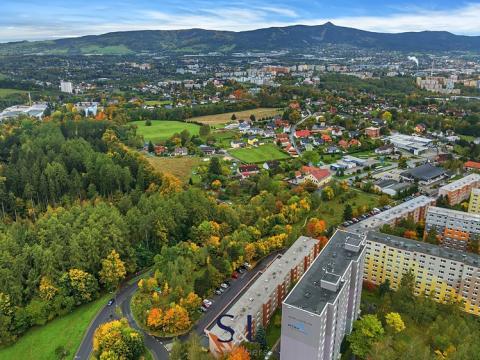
157, 345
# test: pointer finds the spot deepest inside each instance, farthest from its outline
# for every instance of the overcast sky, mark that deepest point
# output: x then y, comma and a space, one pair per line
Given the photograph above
51, 19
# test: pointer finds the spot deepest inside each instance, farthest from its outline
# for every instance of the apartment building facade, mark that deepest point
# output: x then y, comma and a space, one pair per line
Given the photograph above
263, 297
415, 209
455, 229
321, 308
474, 203
460, 190
444, 274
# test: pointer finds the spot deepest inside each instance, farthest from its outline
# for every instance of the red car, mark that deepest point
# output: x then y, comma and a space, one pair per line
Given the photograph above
235, 275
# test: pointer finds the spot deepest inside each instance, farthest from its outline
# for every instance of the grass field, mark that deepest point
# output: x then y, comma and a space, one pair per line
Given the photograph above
6, 92
332, 211
157, 102
162, 130
67, 331
180, 167
260, 154
221, 119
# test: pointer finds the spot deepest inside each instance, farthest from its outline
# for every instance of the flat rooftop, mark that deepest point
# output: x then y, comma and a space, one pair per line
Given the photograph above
459, 215
330, 265
424, 172
391, 214
460, 183
425, 248
260, 291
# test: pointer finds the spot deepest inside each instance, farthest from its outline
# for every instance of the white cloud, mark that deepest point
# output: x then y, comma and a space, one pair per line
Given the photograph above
240, 17
464, 20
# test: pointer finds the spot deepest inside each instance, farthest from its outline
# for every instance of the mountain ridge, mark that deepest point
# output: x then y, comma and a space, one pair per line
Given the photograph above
196, 40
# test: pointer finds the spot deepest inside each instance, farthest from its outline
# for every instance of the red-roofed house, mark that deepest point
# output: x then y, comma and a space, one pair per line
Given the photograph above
354, 142
159, 149
283, 139
326, 138
301, 134
316, 175
248, 170
471, 165
343, 144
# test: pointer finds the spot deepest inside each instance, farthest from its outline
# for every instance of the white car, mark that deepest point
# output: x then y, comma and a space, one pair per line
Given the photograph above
207, 303
224, 286
247, 265
268, 355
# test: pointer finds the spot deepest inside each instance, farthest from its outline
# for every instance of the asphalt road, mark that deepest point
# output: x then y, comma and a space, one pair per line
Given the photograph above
157, 345
293, 128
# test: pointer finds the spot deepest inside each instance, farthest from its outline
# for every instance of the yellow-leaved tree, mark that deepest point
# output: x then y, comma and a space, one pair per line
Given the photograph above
395, 322
113, 270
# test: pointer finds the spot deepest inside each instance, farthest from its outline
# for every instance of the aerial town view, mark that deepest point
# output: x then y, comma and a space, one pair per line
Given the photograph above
247, 180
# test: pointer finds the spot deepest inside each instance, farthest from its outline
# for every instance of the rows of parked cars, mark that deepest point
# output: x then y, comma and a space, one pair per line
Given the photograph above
374, 211
206, 303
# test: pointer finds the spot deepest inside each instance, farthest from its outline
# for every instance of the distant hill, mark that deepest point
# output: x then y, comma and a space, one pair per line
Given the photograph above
298, 37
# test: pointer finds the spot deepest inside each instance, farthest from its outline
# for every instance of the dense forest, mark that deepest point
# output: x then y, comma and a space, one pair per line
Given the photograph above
81, 211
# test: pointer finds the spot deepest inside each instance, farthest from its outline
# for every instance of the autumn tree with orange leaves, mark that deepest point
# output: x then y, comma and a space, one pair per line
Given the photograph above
239, 353
315, 227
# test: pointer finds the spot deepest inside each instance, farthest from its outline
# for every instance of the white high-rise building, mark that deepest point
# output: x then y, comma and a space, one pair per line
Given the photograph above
66, 87
321, 308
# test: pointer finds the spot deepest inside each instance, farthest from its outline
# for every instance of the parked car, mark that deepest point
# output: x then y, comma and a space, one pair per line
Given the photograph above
207, 303
228, 282
235, 275
268, 355
247, 265
223, 285
241, 270
203, 309
111, 302
218, 292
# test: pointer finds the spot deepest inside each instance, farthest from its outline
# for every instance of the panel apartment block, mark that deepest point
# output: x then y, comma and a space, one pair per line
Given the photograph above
321, 308
414, 209
460, 190
454, 228
445, 274
264, 295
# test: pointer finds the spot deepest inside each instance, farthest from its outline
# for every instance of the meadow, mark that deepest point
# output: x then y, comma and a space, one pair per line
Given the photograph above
162, 129
180, 167
259, 154
221, 119
67, 331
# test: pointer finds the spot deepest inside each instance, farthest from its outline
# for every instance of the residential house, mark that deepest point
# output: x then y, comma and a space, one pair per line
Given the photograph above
180, 151
372, 132
252, 141
248, 170
316, 175
302, 134
207, 150
237, 144
472, 165
271, 165
326, 138
160, 149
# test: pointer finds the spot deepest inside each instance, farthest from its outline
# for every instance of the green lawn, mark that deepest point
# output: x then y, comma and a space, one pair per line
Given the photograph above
162, 130
157, 102
332, 211
259, 154
273, 331
6, 92
67, 331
